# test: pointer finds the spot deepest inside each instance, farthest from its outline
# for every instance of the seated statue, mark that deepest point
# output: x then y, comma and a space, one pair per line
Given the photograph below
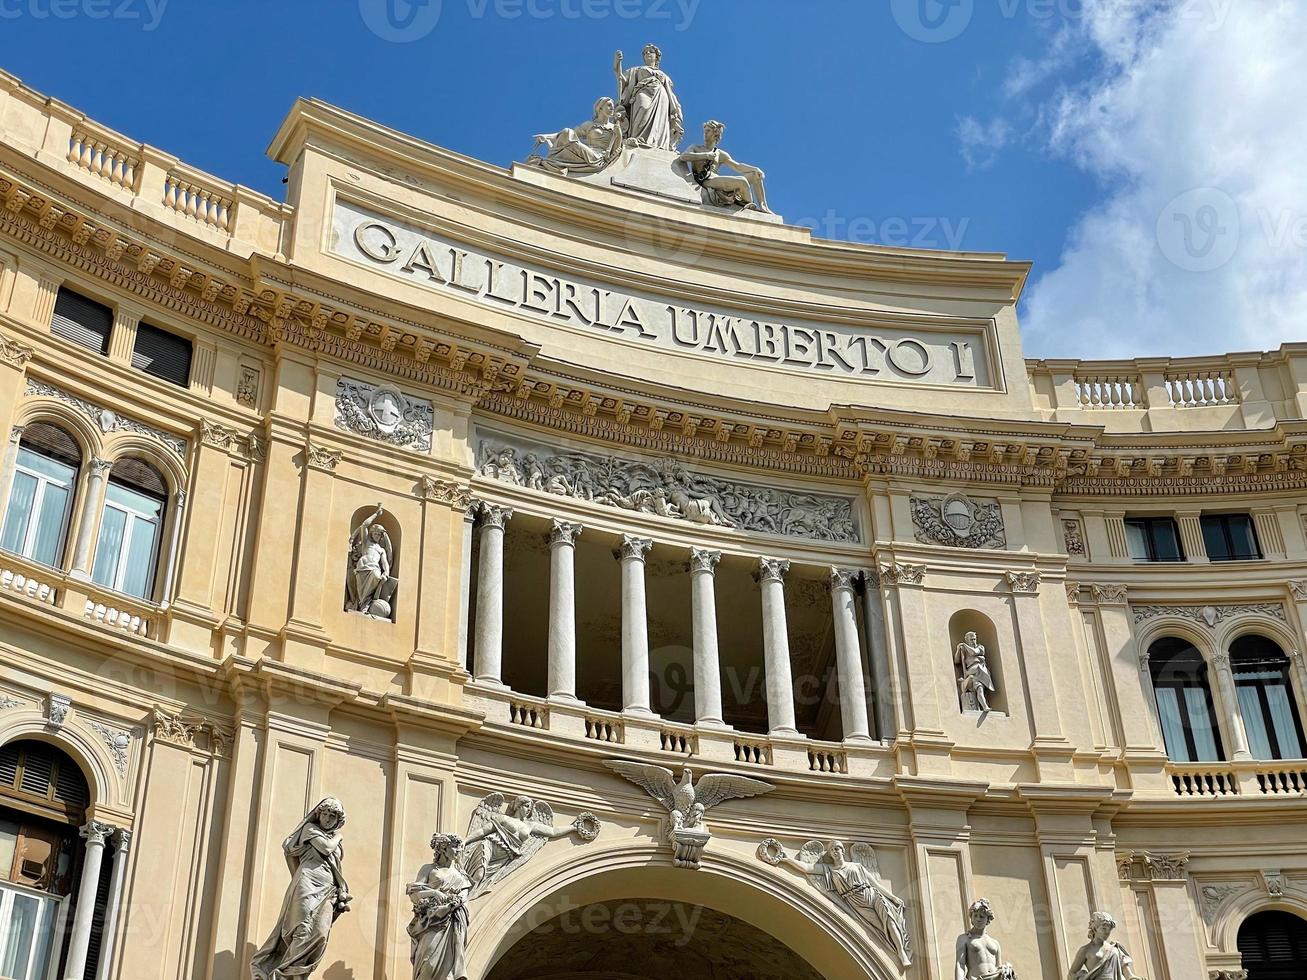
976, 679
704, 162
587, 149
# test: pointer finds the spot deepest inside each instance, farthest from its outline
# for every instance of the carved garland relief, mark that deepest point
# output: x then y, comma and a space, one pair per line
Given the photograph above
958, 521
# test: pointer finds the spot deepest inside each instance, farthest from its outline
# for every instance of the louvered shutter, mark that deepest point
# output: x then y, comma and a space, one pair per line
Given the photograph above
83, 321
162, 354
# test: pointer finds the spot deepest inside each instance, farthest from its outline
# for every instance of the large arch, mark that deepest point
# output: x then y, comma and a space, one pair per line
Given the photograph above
752, 893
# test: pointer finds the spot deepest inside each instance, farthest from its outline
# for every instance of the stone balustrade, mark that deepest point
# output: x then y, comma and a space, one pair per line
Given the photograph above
1242, 779
141, 176
121, 613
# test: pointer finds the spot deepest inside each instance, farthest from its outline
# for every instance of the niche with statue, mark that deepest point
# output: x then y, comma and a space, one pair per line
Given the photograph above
976, 663
371, 585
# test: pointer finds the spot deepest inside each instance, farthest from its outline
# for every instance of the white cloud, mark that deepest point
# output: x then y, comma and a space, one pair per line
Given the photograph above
982, 141
1191, 114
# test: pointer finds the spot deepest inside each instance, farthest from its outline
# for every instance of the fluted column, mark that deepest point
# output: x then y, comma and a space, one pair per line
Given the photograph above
776, 647
562, 610
848, 655
122, 845
1232, 719
707, 661
490, 596
92, 504
635, 626
83, 919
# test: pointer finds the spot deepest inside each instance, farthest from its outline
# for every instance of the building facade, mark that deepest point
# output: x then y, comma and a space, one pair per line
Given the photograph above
485, 501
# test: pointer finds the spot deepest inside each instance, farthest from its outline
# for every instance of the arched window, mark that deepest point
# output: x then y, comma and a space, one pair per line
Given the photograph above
1184, 701
127, 555
41, 495
1261, 678
1274, 946
43, 800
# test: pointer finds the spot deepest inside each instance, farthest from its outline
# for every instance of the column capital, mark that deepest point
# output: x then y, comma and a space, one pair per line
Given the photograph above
494, 515
100, 467
772, 569
843, 578
1024, 582
15, 353
96, 833
564, 533
902, 574
633, 548
704, 560
179, 499
16, 434
1299, 591
1109, 595
123, 840
1221, 661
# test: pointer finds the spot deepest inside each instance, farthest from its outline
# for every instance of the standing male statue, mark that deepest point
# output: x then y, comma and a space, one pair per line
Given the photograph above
654, 118
705, 160
976, 680
979, 956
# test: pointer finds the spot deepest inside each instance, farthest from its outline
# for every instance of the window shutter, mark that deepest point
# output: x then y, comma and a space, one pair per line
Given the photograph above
83, 321
162, 354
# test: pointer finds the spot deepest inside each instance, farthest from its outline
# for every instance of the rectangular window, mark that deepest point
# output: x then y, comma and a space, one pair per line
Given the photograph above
83, 321
127, 554
40, 501
1153, 539
1265, 702
162, 354
25, 941
1230, 537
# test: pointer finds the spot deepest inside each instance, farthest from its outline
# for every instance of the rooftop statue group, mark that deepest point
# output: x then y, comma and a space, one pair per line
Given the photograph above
648, 116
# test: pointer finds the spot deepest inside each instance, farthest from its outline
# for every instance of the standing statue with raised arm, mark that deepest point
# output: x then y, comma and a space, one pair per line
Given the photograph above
855, 884
743, 189
369, 585
979, 956
654, 119
1102, 958
317, 896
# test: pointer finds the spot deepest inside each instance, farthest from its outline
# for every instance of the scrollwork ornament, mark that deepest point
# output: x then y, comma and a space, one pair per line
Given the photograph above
117, 741
1299, 591
320, 458
14, 353
899, 574
1109, 595
445, 492
1024, 583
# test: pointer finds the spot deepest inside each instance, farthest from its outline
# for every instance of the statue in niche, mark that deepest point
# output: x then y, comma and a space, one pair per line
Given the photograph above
438, 929
369, 586
971, 658
688, 803
653, 116
587, 149
317, 896
704, 162
500, 840
1102, 958
979, 954
855, 884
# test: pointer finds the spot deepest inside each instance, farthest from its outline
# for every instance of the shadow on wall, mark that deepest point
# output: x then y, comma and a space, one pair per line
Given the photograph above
966, 621
338, 972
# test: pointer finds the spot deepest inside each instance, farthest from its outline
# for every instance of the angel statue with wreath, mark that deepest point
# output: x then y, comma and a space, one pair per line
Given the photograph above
369, 585
501, 839
856, 884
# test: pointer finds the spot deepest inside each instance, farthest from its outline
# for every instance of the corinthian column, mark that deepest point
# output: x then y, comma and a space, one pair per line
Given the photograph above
562, 611
776, 647
707, 662
635, 626
848, 655
92, 504
83, 919
490, 597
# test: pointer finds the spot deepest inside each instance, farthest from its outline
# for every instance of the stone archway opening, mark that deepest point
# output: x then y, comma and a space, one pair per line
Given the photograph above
649, 939
1273, 945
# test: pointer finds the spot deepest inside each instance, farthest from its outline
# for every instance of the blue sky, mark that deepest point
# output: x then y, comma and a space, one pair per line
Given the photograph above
1009, 125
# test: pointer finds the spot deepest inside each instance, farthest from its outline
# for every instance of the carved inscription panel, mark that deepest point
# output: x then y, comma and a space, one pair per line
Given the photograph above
955, 356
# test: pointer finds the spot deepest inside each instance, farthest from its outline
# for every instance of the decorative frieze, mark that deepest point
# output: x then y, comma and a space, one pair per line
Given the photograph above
957, 521
445, 492
1109, 595
320, 458
384, 413
1073, 538
667, 488
107, 420
1211, 616
185, 732
247, 387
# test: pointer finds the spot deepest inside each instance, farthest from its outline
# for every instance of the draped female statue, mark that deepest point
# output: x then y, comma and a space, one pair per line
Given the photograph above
587, 149
440, 917
653, 114
316, 897
1103, 958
